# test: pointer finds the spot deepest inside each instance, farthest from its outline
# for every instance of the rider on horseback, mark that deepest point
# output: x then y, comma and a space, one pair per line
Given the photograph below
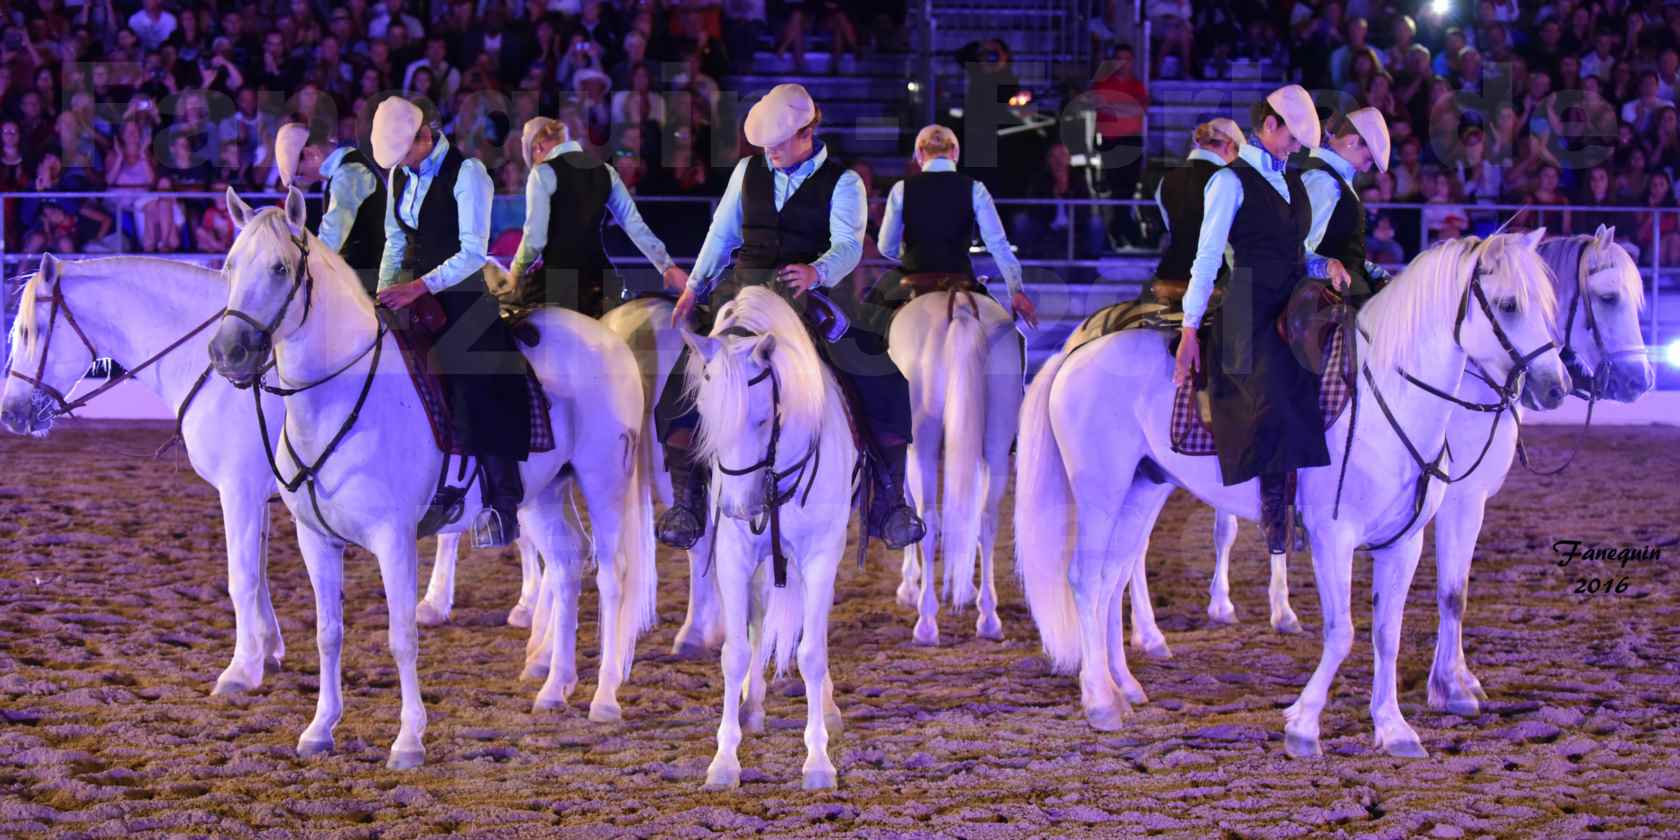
1266, 421
569, 193
796, 217
353, 224
437, 228
1181, 195
1356, 142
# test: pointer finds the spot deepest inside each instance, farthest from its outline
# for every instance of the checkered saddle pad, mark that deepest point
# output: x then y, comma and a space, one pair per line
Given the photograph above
1192, 432
416, 345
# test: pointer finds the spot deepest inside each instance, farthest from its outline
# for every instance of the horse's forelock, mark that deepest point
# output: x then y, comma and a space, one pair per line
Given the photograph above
1522, 264
724, 397
25, 331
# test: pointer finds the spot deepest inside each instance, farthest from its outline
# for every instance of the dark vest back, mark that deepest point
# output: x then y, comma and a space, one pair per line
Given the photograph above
438, 236
1344, 234
796, 234
938, 223
1267, 234
575, 214
365, 244
1182, 194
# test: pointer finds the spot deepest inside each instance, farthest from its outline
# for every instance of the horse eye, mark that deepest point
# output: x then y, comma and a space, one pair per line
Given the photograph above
1508, 306
1608, 299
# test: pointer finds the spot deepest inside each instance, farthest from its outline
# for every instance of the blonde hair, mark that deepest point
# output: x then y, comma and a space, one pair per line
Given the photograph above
1206, 133
937, 141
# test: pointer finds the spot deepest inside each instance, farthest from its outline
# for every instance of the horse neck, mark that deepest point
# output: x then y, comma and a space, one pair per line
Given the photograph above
339, 325
172, 300
1422, 415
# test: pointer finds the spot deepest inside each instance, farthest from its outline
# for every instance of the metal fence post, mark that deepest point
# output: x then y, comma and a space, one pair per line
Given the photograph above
1656, 277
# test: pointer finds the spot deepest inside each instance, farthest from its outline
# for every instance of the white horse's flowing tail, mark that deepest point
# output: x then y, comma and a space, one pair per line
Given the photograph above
1043, 499
964, 364
637, 573
784, 618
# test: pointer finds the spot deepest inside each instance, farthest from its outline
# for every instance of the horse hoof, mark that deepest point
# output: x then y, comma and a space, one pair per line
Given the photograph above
1133, 692
519, 616
1301, 746
307, 747
1106, 719
230, 686
273, 665
1463, 706
1156, 649
990, 628
427, 615
820, 780
1405, 748
547, 704
688, 650
534, 671
605, 712
405, 759
717, 779
1222, 614
907, 598
752, 722
1287, 624
834, 723
926, 634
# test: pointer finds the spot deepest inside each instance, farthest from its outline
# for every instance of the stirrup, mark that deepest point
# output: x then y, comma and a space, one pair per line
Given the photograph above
899, 528
493, 530
679, 528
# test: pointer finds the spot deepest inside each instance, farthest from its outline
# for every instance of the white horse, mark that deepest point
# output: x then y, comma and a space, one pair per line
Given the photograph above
1600, 328
150, 316
1111, 462
372, 463
964, 368
773, 429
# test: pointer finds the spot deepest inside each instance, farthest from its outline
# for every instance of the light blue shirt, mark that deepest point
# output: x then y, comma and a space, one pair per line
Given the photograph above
1325, 194
1195, 154
847, 213
891, 240
1220, 200
347, 188
539, 194
473, 192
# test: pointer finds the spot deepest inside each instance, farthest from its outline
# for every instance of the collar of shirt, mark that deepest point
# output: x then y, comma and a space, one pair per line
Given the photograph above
803, 169
334, 161
1204, 154
1259, 158
568, 146
1337, 162
434, 161
942, 164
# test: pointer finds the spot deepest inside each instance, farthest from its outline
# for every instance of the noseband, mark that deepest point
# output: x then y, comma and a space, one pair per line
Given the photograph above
1589, 384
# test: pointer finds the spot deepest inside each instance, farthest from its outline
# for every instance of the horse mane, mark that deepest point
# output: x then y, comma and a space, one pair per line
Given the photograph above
26, 331
808, 391
1563, 256
1416, 312
272, 222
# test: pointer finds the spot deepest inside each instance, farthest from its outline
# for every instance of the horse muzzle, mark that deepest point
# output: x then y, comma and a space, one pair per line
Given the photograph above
1544, 390
1628, 379
238, 352
30, 416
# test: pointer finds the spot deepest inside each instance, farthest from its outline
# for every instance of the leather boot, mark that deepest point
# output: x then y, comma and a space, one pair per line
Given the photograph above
682, 525
1274, 511
890, 519
497, 524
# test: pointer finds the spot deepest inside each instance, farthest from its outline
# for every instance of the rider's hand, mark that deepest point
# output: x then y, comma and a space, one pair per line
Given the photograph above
676, 279
685, 305
402, 294
1338, 275
1189, 359
798, 276
1023, 307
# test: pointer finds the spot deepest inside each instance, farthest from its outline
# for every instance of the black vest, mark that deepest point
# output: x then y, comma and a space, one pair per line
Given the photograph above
1268, 233
797, 234
938, 223
364, 245
1344, 234
439, 235
1183, 194
579, 206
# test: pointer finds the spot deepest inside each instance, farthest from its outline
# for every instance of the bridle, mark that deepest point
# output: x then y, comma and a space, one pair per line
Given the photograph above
774, 496
65, 406
1508, 392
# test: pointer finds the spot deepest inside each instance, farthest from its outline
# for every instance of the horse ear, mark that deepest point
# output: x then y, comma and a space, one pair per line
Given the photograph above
1606, 234
238, 209
48, 270
296, 213
761, 351
703, 346
1531, 240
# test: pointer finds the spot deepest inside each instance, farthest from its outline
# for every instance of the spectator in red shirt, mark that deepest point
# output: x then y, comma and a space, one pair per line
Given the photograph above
1120, 100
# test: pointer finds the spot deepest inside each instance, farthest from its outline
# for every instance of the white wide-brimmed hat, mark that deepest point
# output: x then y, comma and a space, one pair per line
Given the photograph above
1373, 129
288, 148
1295, 105
1228, 128
395, 124
779, 115
528, 137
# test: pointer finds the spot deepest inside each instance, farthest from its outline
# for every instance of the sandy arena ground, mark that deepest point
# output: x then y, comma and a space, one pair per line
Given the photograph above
114, 622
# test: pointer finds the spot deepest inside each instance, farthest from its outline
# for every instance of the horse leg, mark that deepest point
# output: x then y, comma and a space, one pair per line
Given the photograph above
725, 769
1457, 525
926, 495
702, 628
1332, 550
274, 645
245, 526
325, 561
560, 547
1277, 592
1220, 608
539, 642
1001, 426
910, 570
1094, 582
1146, 634
530, 577
602, 489
440, 590
752, 708
813, 667
559, 574
399, 560
1392, 570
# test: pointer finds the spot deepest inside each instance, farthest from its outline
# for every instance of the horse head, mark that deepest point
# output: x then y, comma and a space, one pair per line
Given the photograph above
42, 370
1600, 327
271, 288
1506, 315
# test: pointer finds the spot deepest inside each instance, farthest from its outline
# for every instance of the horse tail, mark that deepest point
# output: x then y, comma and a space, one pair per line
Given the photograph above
965, 430
1043, 498
638, 576
784, 619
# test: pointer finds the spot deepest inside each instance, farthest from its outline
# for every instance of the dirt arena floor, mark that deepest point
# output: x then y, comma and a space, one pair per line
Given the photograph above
114, 622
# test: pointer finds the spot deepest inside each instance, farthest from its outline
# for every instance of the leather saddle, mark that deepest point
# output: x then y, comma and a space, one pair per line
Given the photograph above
1170, 293
1309, 320
959, 285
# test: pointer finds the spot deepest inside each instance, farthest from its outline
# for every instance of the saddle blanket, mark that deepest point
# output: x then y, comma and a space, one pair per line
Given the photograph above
1192, 434
416, 346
